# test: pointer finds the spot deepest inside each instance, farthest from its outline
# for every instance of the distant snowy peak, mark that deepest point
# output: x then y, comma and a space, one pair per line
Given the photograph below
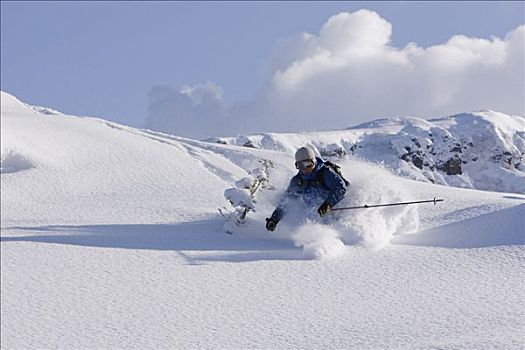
383, 122
482, 150
497, 118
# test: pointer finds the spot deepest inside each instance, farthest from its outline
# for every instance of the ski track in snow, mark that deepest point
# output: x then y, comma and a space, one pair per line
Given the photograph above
111, 239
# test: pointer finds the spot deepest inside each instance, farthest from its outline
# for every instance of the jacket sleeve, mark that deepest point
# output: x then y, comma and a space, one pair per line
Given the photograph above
336, 185
290, 194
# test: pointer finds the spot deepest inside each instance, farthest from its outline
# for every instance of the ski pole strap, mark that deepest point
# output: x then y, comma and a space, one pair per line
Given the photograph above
390, 204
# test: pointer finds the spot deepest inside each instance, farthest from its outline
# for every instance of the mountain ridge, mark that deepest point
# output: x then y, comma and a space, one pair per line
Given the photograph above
482, 150
479, 150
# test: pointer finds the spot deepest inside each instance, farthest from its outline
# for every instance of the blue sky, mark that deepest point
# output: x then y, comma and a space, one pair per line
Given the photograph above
102, 58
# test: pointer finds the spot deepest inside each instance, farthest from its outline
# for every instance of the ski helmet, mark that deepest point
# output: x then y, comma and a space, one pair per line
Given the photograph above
304, 153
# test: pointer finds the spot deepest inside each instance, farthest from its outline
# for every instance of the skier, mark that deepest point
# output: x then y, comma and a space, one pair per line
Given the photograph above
316, 183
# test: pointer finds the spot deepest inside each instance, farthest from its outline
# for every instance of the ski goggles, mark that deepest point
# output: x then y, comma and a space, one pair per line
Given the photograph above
304, 164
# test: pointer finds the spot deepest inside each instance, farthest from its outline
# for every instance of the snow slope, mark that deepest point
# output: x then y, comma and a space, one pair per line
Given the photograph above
111, 238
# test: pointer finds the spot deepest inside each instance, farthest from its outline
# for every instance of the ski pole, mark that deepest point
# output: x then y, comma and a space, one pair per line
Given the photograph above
390, 204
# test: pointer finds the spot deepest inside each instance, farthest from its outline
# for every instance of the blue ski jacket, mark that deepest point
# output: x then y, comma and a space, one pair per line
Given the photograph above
323, 185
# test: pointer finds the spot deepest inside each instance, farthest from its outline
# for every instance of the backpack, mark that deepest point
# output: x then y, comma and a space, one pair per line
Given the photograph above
336, 169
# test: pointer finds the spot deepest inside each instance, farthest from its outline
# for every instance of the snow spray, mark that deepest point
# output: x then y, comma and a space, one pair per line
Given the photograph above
318, 241
375, 228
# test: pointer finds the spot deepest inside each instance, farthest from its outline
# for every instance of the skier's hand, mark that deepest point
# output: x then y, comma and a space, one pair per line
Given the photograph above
270, 224
324, 209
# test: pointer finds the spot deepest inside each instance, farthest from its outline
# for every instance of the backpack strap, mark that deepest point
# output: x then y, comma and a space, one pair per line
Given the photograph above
335, 168
319, 176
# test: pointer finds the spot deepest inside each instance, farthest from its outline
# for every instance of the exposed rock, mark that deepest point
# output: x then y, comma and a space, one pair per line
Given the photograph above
456, 148
483, 145
332, 151
451, 167
249, 144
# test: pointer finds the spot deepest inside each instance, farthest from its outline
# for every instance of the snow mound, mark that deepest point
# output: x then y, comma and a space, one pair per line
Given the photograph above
119, 173
502, 227
12, 162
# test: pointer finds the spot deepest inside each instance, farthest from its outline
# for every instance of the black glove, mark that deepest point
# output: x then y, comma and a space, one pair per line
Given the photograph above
270, 224
324, 209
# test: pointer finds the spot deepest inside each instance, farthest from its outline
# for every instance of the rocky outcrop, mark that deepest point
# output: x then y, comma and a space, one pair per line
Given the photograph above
482, 150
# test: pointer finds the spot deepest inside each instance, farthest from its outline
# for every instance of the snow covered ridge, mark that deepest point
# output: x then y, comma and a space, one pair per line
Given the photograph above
480, 150
51, 160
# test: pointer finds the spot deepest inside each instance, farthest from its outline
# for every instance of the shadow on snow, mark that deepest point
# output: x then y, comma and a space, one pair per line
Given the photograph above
503, 227
198, 236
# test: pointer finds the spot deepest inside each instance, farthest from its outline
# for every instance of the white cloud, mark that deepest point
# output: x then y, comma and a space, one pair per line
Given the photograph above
349, 73
353, 75
347, 34
193, 111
